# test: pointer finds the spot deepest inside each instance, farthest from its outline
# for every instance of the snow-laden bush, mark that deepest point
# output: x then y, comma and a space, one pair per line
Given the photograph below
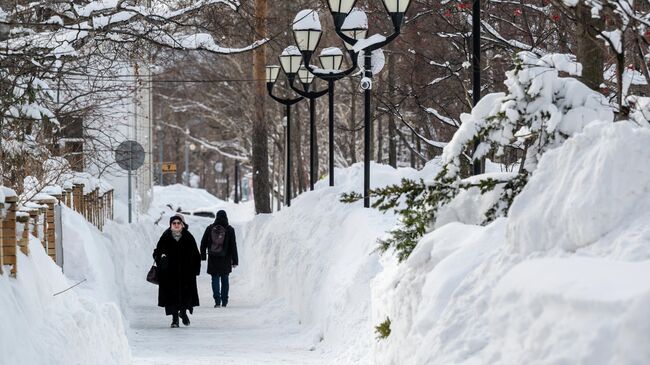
538, 113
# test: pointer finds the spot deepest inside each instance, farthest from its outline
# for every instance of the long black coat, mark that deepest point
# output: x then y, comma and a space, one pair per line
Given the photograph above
178, 270
220, 265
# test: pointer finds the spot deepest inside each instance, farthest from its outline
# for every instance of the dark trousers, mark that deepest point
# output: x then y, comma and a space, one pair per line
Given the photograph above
220, 296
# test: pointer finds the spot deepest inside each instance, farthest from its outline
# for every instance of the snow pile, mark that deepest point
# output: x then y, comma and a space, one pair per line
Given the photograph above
168, 199
78, 326
317, 259
602, 195
562, 280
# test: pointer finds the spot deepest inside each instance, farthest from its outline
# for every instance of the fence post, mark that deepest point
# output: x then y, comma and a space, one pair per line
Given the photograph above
101, 211
96, 208
111, 203
23, 242
9, 234
84, 206
33, 217
67, 197
48, 226
77, 196
42, 226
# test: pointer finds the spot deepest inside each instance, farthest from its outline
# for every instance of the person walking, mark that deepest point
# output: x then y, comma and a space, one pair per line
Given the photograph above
179, 263
221, 246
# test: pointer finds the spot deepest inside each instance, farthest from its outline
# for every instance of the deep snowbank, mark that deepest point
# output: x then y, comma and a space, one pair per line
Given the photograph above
317, 257
548, 285
594, 188
80, 326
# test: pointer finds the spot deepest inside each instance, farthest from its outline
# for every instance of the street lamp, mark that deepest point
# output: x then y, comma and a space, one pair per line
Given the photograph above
307, 31
271, 76
477, 165
396, 9
289, 58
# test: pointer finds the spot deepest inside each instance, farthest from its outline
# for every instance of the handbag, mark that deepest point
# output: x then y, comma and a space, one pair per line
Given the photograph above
152, 275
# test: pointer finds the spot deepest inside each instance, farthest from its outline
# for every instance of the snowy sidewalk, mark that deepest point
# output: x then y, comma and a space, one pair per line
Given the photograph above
239, 334
244, 333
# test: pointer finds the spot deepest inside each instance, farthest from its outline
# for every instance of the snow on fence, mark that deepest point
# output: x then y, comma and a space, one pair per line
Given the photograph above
36, 217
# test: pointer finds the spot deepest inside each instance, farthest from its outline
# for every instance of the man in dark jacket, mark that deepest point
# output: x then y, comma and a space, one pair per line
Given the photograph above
221, 246
179, 262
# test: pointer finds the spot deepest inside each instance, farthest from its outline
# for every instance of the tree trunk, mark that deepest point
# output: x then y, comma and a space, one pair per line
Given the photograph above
589, 50
260, 158
412, 151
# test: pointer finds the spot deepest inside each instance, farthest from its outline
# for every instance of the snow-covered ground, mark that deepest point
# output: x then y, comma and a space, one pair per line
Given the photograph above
562, 280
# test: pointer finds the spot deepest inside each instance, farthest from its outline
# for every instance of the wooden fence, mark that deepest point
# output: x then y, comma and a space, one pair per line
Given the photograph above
36, 218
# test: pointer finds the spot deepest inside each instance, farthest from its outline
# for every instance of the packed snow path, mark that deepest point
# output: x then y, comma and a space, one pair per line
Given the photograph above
243, 333
238, 334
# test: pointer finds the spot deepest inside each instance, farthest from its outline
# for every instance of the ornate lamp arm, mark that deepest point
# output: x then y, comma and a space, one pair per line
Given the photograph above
269, 88
306, 93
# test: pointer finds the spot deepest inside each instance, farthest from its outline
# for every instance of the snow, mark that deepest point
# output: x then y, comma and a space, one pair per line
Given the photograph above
548, 108
291, 50
561, 280
306, 19
70, 328
7, 192
368, 42
613, 39
602, 304
331, 51
592, 202
356, 19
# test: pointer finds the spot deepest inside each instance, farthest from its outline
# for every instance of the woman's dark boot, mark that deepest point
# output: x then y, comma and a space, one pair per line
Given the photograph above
174, 321
185, 318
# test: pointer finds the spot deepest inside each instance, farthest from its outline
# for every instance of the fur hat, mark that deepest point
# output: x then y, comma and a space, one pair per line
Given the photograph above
177, 217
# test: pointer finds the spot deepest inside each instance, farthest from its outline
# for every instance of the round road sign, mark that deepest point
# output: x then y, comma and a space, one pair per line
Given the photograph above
129, 155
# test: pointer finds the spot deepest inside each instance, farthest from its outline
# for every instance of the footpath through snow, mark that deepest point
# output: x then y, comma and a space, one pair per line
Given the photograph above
562, 280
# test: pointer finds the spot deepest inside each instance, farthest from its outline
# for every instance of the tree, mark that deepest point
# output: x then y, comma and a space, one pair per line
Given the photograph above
60, 56
260, 156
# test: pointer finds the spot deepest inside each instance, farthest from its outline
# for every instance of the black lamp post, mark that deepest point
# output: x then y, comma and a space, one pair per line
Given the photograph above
340, 10
477, 165
272, 75
291, 60
307, 33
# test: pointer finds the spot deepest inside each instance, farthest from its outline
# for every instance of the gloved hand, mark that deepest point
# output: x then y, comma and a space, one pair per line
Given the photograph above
163, 262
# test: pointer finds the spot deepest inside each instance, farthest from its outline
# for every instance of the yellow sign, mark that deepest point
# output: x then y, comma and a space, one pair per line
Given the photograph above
168, 167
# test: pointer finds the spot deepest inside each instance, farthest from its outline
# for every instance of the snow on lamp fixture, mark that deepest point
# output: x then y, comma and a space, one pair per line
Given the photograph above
305, 76
331, 58
355, 26
290, 59
272, 73
307, 30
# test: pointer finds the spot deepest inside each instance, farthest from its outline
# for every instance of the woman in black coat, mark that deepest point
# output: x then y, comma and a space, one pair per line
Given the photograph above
179, 262
222, 259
